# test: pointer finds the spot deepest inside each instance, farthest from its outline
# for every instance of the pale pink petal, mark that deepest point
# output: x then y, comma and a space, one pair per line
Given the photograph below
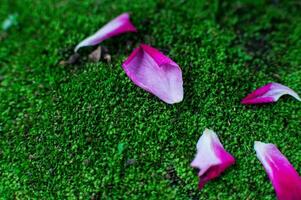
211, 158
154, 72
285, 179
117, 26
268, 94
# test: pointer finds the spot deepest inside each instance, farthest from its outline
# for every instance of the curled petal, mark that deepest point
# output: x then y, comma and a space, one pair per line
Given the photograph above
156, 73
268, 94
117, 26
211, 158
282, 174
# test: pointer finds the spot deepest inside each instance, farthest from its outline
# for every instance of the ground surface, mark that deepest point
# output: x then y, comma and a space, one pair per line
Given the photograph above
87, 131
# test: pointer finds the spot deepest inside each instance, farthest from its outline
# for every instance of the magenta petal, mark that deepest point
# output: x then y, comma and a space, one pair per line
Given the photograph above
268, 94
117, 26
285, 179
211, 158
154, 72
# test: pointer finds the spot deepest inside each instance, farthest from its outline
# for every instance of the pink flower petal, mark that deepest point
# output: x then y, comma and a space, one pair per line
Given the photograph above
154, 72
282, 174
117, 26
268, 94
211, 158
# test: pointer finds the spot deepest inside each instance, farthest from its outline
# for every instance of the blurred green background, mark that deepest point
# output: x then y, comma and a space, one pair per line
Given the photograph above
85, 131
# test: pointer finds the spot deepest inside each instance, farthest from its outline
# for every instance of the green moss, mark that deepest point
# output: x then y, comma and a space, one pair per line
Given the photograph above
62, 128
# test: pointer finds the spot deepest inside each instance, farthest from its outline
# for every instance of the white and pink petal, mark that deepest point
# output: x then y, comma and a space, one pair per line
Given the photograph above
211, 158
117, 26
154, 72
269, 93
284, 178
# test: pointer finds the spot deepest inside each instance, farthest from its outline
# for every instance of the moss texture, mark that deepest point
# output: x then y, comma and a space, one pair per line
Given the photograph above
86, 131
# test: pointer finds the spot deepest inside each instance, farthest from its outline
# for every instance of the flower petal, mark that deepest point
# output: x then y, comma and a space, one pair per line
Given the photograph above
154, 72
117, 26
211, 158
268, 94
282, 174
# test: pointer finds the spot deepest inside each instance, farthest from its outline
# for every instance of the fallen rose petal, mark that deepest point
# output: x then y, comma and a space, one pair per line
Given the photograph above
156, 73
211, 158
285, 179
117, 26
268, 94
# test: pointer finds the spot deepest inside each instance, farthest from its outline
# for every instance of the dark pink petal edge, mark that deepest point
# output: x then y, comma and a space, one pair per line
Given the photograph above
215, 171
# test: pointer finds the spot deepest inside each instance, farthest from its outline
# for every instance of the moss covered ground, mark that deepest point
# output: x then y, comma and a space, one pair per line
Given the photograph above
87, 132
